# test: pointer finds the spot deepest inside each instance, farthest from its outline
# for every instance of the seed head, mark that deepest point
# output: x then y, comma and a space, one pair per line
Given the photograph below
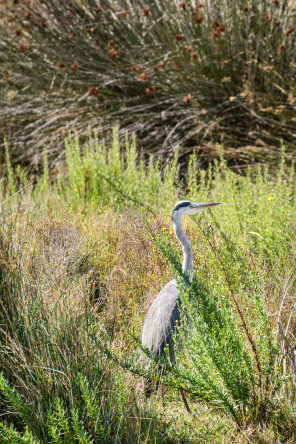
187, 99
143, 77
112, 53
199, 6
137, 68
214, 24
145, 12
178, 37
289, 31
214, 35
93, 90
198, 19
150, 90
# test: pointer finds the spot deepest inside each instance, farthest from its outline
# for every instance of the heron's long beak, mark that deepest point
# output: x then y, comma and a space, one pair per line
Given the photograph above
201, 206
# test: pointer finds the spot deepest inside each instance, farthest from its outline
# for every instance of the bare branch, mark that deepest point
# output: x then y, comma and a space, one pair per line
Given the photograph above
290, 349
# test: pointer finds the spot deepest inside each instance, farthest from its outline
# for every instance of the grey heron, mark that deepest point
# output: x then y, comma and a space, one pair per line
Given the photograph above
164, 313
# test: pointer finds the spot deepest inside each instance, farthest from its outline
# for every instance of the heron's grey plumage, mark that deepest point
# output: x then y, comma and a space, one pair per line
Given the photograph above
164, 313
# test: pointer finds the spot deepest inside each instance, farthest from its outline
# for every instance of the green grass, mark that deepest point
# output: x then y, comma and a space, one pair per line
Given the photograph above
81, 260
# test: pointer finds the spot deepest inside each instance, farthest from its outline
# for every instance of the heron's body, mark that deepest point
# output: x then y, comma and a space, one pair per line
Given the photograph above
164, 313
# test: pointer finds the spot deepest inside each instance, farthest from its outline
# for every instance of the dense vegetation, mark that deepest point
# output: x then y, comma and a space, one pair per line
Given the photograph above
174, 72
81, 260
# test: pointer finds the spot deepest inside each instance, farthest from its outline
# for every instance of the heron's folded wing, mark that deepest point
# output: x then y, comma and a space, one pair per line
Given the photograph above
161, 319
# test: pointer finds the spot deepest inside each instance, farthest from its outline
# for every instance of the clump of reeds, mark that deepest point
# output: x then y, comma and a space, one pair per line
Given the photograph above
173, 72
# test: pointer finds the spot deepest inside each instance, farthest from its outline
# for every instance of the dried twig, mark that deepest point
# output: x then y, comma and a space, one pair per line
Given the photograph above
292, 355
281, 307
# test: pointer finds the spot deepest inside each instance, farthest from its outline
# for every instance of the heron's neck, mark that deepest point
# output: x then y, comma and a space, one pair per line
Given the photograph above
187, 266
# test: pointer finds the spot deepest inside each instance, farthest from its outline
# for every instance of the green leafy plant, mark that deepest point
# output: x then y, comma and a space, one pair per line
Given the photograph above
78, 271
115, 175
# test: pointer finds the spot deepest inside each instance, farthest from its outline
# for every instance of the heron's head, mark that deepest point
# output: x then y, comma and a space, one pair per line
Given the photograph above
184, 207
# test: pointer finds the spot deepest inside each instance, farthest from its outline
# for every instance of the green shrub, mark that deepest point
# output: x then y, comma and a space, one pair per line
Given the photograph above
115, 176
55, 344
231, 355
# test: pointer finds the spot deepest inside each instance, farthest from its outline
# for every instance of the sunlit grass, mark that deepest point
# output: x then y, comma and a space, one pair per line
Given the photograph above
80, 267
